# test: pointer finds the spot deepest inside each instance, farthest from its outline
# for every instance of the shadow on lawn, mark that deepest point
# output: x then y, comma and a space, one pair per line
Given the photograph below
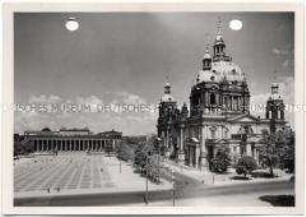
241, 178
263, 174
278, 200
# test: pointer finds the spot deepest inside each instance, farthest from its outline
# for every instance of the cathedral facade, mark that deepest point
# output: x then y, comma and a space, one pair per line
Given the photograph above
219, 114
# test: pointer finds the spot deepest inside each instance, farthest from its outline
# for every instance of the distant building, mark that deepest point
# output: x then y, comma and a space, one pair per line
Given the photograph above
75, 139
219, 114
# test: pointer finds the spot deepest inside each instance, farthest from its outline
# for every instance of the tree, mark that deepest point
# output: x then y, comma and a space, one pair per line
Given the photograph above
220, 162
287, 155
270, 151
126, 152
146, 162
246, 165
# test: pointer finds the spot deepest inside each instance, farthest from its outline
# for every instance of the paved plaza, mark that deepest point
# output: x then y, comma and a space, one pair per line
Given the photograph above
75, 173
65, 171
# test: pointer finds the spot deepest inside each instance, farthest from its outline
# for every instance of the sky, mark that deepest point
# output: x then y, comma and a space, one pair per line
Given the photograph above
124, 58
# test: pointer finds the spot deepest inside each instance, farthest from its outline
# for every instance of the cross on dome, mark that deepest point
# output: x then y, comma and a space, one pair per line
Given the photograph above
219, 34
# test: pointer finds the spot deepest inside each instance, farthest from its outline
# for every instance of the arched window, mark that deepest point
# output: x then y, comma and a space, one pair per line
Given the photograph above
270, 115
279, 114
213, 133
212, 99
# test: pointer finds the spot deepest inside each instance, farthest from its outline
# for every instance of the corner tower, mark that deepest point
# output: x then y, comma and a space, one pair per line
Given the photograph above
275, 108
168, 114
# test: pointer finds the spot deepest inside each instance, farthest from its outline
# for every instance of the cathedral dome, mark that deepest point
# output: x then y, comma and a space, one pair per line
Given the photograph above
222, 70
208, 76
228, 70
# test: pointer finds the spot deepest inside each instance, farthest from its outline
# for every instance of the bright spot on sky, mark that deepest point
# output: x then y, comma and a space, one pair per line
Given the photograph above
235, 24
72, 25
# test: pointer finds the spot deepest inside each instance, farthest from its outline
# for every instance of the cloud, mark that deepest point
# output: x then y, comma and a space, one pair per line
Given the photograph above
276, 51
45, 99
283, 51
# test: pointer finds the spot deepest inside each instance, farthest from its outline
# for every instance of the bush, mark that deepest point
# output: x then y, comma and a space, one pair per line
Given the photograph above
220, 162
246, 165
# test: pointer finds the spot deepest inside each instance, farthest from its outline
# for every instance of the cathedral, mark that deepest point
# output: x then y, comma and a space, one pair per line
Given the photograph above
219, 114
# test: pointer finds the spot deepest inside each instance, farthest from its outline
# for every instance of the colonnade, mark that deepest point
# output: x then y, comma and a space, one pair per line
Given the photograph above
73, 144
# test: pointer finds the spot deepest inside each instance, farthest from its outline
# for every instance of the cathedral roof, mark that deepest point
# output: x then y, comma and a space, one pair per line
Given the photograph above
222, 70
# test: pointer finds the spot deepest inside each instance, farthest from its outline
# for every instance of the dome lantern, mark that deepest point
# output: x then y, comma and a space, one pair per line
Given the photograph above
206, 59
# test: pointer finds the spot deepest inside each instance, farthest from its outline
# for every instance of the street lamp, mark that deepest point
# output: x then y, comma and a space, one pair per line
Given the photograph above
158, 158
173, 186
147, 180
119, 157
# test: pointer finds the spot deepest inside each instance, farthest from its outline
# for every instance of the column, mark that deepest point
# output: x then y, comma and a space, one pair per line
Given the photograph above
53, 144
44, 145
203, 149
35, 145
248, 149
73, 145
39, 145
181, 153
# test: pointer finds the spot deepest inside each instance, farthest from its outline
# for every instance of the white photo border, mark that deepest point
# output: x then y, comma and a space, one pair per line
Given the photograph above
8, 10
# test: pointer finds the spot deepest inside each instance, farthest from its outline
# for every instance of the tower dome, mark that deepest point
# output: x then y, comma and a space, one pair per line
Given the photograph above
275, 91
167, 94
206, 60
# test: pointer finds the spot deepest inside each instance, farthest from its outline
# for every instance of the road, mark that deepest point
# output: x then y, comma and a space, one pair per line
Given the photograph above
186, 189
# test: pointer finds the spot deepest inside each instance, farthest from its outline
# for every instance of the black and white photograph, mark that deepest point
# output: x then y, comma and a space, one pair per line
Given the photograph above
154, 109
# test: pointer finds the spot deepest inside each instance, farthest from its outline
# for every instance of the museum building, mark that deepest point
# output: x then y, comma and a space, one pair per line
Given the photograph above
76, 139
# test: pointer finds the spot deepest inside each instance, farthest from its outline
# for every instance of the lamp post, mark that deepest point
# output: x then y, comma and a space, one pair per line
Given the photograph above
119, 165
147, 180
118, 156
158, 158
173, 187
